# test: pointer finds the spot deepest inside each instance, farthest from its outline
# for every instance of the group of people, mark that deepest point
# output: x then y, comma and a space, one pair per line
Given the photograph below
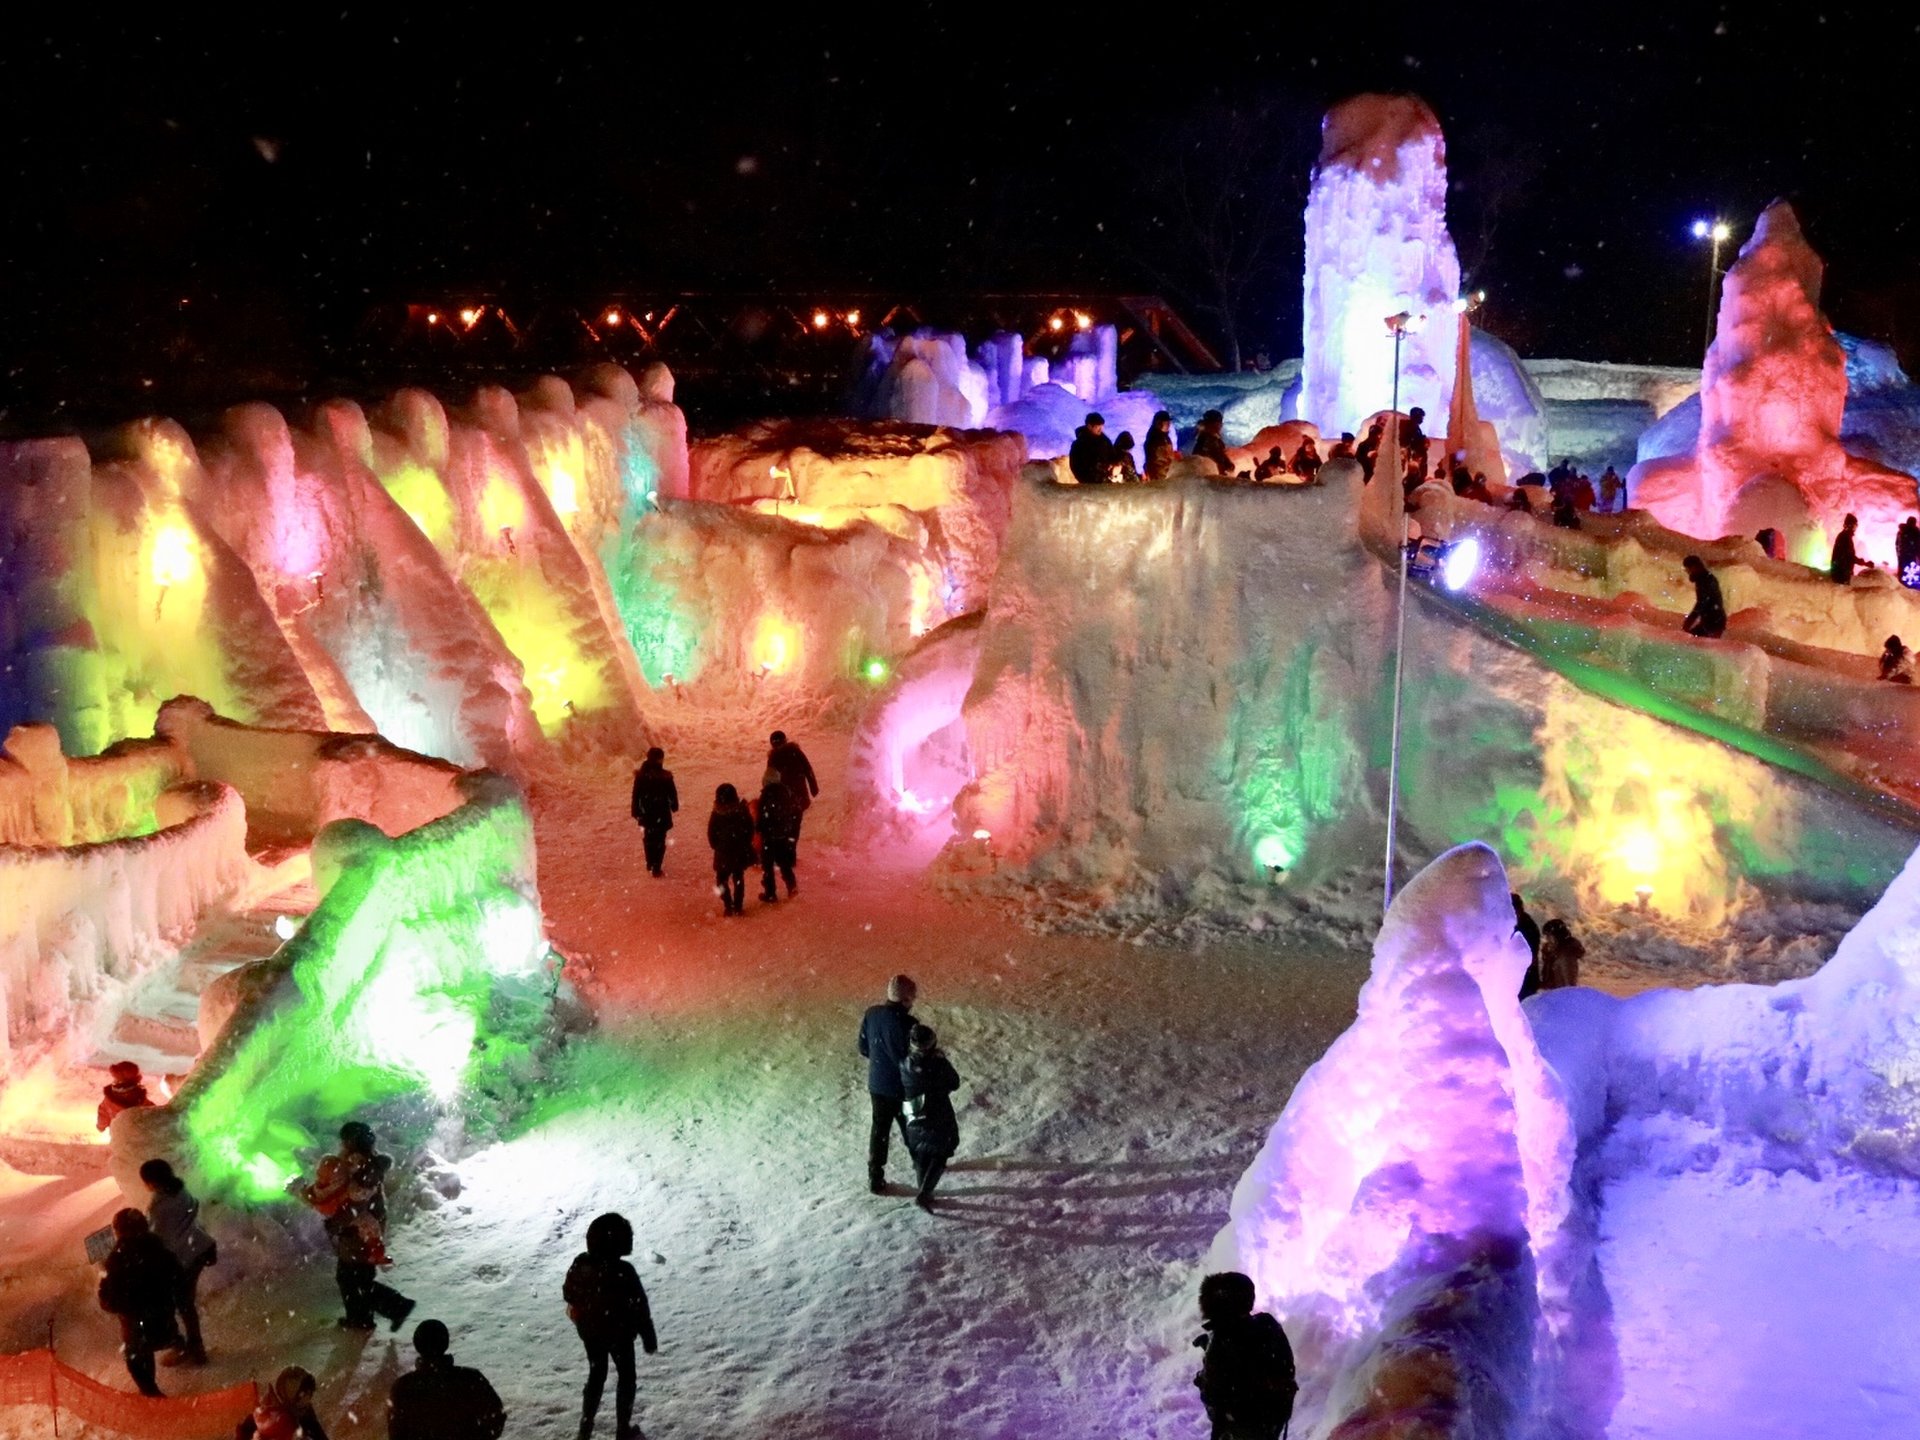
763, 831
1093, 459
150, 1276
910, 1082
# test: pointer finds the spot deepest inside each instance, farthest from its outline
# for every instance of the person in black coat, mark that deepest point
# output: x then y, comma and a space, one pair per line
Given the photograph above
1160, 451
1209, 444
608, 1307
1528, 929
1708, 618
439, 1400
928, 1080
138, 1286
796, 770
1906, 550
1846, 558
654, 803
778, 822
885, 1035
1091, 452
1247, 1379
730, 833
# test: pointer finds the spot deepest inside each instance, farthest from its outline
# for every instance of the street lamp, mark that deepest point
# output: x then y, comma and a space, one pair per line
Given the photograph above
1402, 325
1718, 232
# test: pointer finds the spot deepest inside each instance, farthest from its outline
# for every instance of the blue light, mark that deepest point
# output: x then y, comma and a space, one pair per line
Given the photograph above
1462, 561
1701, 229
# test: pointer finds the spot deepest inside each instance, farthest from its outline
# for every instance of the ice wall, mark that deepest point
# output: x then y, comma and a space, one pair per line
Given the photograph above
909, 758
1431, 1143
1377, 245
1773, 393
48, 800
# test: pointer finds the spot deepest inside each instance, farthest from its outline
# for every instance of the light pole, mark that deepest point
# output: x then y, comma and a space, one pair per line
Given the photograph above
1718, 232
1402, 325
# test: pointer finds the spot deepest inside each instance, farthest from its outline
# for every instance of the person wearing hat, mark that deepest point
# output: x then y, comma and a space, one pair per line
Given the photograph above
1210, 444
777, 820
1091, 453
351, 1198
439, 1400
285, 1411
138, 1285
174, 1216
608, 1307
126, 1091
928, 1081
655, 800
885, 1032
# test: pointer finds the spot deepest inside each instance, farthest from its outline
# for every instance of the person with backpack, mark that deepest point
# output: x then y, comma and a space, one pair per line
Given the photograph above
655, 802
927, 1083
350, 1196
174, 1216
608, 1307
139, 1285
285, 1410
778, 823
730, 833
439, 1400
1247, 1379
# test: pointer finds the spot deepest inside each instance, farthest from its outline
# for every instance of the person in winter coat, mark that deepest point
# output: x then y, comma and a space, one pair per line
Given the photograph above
1369, 452
1209, 444
174, 1217
791, 761
655, 802
885, 1039
1525, 927
1560, 956
1160, 451
126, 1091
927, 1081
1846, 558
608, 1307
1708, 618
730, 833
1896, 661
1247, 1379
778, 823
1306, 460
285, 1410
1091, 452
1612, 489
139, 1286
1906, 551
1121, 469
439, 1400
352, 1201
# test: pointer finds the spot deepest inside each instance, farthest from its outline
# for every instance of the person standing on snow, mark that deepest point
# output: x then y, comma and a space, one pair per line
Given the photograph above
1845, 558
885, 1040
927, 1083
608, 1307
439, 1400
1091, 452
353, 1202
174, 1217
1906, 550
655, 801
778, 822
1247, 1379
139, 1286
796, 770
730, 833
1708, 618
127, 1090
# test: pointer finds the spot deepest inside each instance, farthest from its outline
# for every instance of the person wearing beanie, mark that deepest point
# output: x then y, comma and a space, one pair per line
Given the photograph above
174, 1216
777, 820
884, 1033
439, 1400
730, 833
1091, 453
138, 1284
608, 1307
126, 1090
655, 801
1210, 444
928, 1080
285, 1410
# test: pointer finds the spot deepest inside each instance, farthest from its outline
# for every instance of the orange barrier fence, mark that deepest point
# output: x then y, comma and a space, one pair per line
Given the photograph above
36, 1377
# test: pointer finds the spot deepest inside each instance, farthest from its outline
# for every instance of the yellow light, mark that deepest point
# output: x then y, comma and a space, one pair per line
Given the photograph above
433, 317
613, 317
173, 560
853, 317
821, 319
502, 510
776, 645
470, 316
563, 491
1056, 324
1639, 852
1722, 230
1082, 320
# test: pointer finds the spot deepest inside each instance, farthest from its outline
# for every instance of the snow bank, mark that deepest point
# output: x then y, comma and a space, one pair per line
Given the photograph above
77, 923
1407, 1218
420, 978
1377, 244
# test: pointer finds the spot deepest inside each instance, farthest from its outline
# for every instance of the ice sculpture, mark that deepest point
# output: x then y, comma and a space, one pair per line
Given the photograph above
1772, 396
1377, 244
1429, 1148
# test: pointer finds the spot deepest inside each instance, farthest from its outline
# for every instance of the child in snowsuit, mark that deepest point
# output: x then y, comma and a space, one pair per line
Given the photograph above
655, 800
730, 833
778, 821
1247, 1379
608, 1307
933, 1132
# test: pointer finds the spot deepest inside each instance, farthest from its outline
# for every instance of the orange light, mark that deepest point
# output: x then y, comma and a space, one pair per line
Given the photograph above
433, 317
1082, 320
470, 316
1056, 324
853, 317
821, 319
613, 317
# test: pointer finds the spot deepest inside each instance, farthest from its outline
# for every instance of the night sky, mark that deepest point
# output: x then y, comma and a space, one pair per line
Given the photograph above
281, 178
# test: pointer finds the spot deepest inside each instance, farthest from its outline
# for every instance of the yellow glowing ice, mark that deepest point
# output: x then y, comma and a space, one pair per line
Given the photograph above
172, 559
503, 509
561, 490
776, 645
418, 491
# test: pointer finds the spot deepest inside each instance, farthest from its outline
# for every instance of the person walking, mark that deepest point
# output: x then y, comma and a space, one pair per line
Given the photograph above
139, 1286
285, 1410
778, 823
1306, 460
1612, 489
791, 761
1121, 469
1708, 618
1247, 1380
655, 802
1845, 559
439, 1400
1896, 662
730, 833
174, 1217
608, 1308
927, 1083
885, 1040
352, 1200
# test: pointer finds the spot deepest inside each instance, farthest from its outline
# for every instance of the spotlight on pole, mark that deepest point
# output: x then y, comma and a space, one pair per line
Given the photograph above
1462, 563
1716, 233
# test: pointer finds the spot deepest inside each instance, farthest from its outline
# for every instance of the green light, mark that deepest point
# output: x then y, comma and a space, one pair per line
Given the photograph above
1273, 852
875, 670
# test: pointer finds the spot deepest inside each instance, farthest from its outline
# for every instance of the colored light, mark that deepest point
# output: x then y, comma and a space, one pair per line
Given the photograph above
1700, 229
853, 317
1273, 852
1722, 230
1056, 324
285, 926
776, 643
612, 317
983, 835
433, 317
470, 316
821, 319
1082, 320
1461, 563
875, 670
563, 491
173, 561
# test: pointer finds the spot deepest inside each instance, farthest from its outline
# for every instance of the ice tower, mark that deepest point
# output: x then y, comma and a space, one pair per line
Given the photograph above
1377, 244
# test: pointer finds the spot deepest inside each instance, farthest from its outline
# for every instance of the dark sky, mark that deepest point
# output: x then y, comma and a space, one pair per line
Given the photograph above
280, 177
